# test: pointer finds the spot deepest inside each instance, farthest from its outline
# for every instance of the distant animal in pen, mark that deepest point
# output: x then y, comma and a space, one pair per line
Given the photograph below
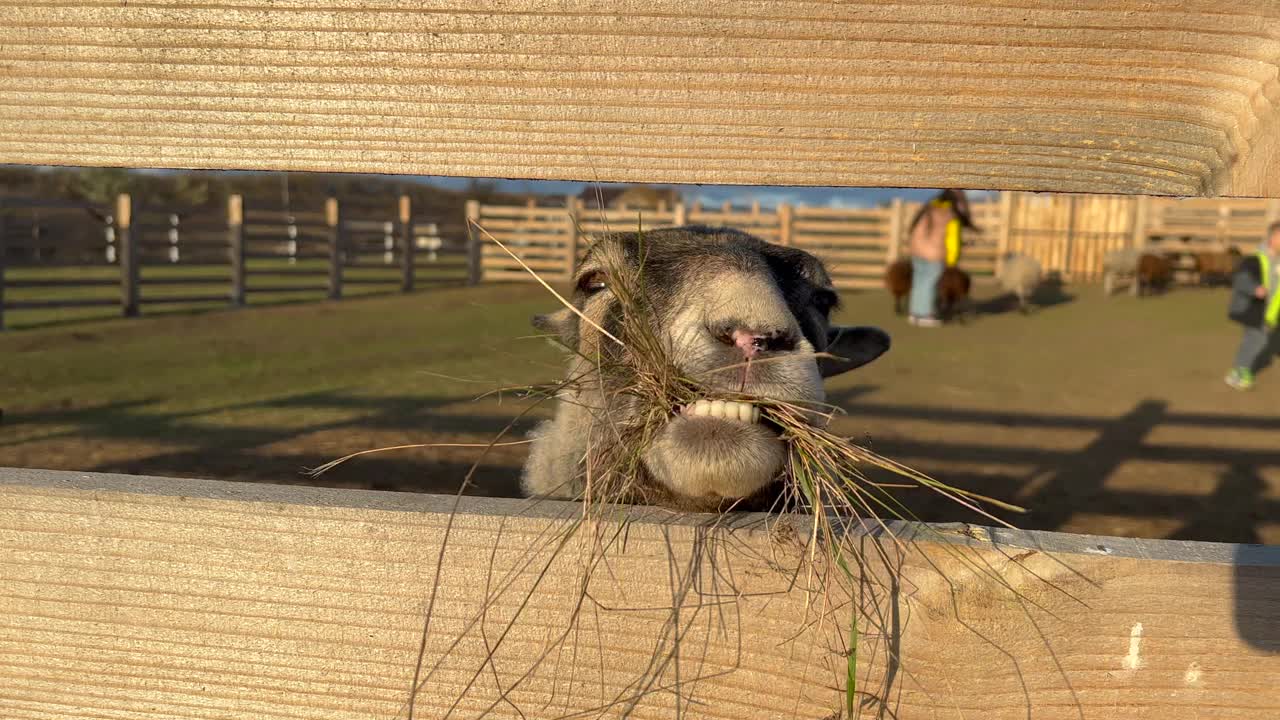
1146, 271
1216, 268
1154, 274
953, 294
1020, 275
953, 289
897, 279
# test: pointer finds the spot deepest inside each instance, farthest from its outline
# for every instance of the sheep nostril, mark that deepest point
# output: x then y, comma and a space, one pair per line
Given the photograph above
782, 342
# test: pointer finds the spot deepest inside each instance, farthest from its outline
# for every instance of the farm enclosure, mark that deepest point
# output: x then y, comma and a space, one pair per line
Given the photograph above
62, 260
1068, 234
122, 596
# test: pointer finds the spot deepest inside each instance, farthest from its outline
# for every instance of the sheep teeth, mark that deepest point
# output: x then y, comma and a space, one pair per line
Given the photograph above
724, 410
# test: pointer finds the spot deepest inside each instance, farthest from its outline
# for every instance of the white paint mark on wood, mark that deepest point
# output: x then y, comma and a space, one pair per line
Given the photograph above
1133, 660
1192, 677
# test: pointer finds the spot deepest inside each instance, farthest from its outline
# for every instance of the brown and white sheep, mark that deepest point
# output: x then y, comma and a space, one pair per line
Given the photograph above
951, 296
1153, 274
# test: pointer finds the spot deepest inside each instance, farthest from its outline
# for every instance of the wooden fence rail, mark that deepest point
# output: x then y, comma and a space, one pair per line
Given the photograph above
59, 255
1068, 234
129, 597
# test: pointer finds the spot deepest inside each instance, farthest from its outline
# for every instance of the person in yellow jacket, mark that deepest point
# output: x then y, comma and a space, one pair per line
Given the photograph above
1255, 304
934, 238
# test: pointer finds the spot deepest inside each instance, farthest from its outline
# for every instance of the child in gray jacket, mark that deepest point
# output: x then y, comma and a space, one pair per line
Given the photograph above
1255, 304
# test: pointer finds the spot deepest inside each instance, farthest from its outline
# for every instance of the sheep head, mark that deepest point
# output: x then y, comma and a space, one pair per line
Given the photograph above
732, 316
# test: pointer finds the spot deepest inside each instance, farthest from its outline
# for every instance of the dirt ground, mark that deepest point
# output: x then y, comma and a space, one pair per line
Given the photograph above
1100, 415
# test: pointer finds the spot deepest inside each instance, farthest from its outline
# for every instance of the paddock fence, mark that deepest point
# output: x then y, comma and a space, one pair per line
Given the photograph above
1069, 234
133, 255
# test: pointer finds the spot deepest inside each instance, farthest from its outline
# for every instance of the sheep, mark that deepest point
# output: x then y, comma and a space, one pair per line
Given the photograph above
736, 315
1215, 268
1021, 275
953, 288
953, 294
1153, 274
1117, 264
897, 278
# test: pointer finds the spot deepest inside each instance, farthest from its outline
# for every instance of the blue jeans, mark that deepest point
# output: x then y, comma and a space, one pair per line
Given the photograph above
1254, 346
924, 287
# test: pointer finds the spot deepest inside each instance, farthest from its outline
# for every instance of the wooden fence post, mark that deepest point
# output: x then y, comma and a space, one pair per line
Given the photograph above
333, 218
235, 246
1069, 246
127, 239
785, 224
1006, 230
573, 239
475, 271
3, 254
1273, 212
681, 217
1141, 221
407, 244
895, 231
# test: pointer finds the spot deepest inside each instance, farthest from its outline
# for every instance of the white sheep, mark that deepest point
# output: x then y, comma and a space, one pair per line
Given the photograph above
1119, 264
1021, 275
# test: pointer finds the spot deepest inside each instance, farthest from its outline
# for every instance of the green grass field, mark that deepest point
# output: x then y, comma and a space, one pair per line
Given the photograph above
1099, 415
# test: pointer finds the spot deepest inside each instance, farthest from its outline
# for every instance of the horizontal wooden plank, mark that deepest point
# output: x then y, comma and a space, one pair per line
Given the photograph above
492, 274
839, 270
764, 218
252, 288
804, 212
550, 224
537, 264
133, 597
182, 299
871, 255
856, 283
49, 304
285, 270
521, 212
14, 284
145, 279
285, 256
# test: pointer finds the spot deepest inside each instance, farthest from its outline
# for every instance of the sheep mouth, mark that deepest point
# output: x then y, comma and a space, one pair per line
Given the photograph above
722, 410
730, 411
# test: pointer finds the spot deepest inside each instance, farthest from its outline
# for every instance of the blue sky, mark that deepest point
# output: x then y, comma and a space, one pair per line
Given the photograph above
768, 196
716, 194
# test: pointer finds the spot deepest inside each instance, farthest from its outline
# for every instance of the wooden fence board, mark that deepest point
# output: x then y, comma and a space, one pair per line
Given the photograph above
1123, 96
129, 597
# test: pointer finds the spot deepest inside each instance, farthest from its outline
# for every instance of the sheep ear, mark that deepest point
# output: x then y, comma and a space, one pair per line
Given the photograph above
561, 325
852, 347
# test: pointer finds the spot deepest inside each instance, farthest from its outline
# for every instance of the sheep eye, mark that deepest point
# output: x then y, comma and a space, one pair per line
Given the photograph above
592, 283
825, 300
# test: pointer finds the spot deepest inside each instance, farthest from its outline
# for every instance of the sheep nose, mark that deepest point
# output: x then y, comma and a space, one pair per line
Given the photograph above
751, 343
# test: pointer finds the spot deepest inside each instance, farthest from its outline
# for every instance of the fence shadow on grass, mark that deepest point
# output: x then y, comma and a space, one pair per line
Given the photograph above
1062, 483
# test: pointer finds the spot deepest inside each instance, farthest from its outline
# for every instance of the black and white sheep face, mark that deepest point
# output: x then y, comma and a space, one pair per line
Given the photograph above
737, 316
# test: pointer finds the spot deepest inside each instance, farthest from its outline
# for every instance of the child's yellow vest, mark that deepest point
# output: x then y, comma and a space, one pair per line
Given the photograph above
1273, 308
953, 235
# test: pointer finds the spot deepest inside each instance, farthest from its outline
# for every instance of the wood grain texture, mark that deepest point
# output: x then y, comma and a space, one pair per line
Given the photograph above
125, 597
1092, 96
